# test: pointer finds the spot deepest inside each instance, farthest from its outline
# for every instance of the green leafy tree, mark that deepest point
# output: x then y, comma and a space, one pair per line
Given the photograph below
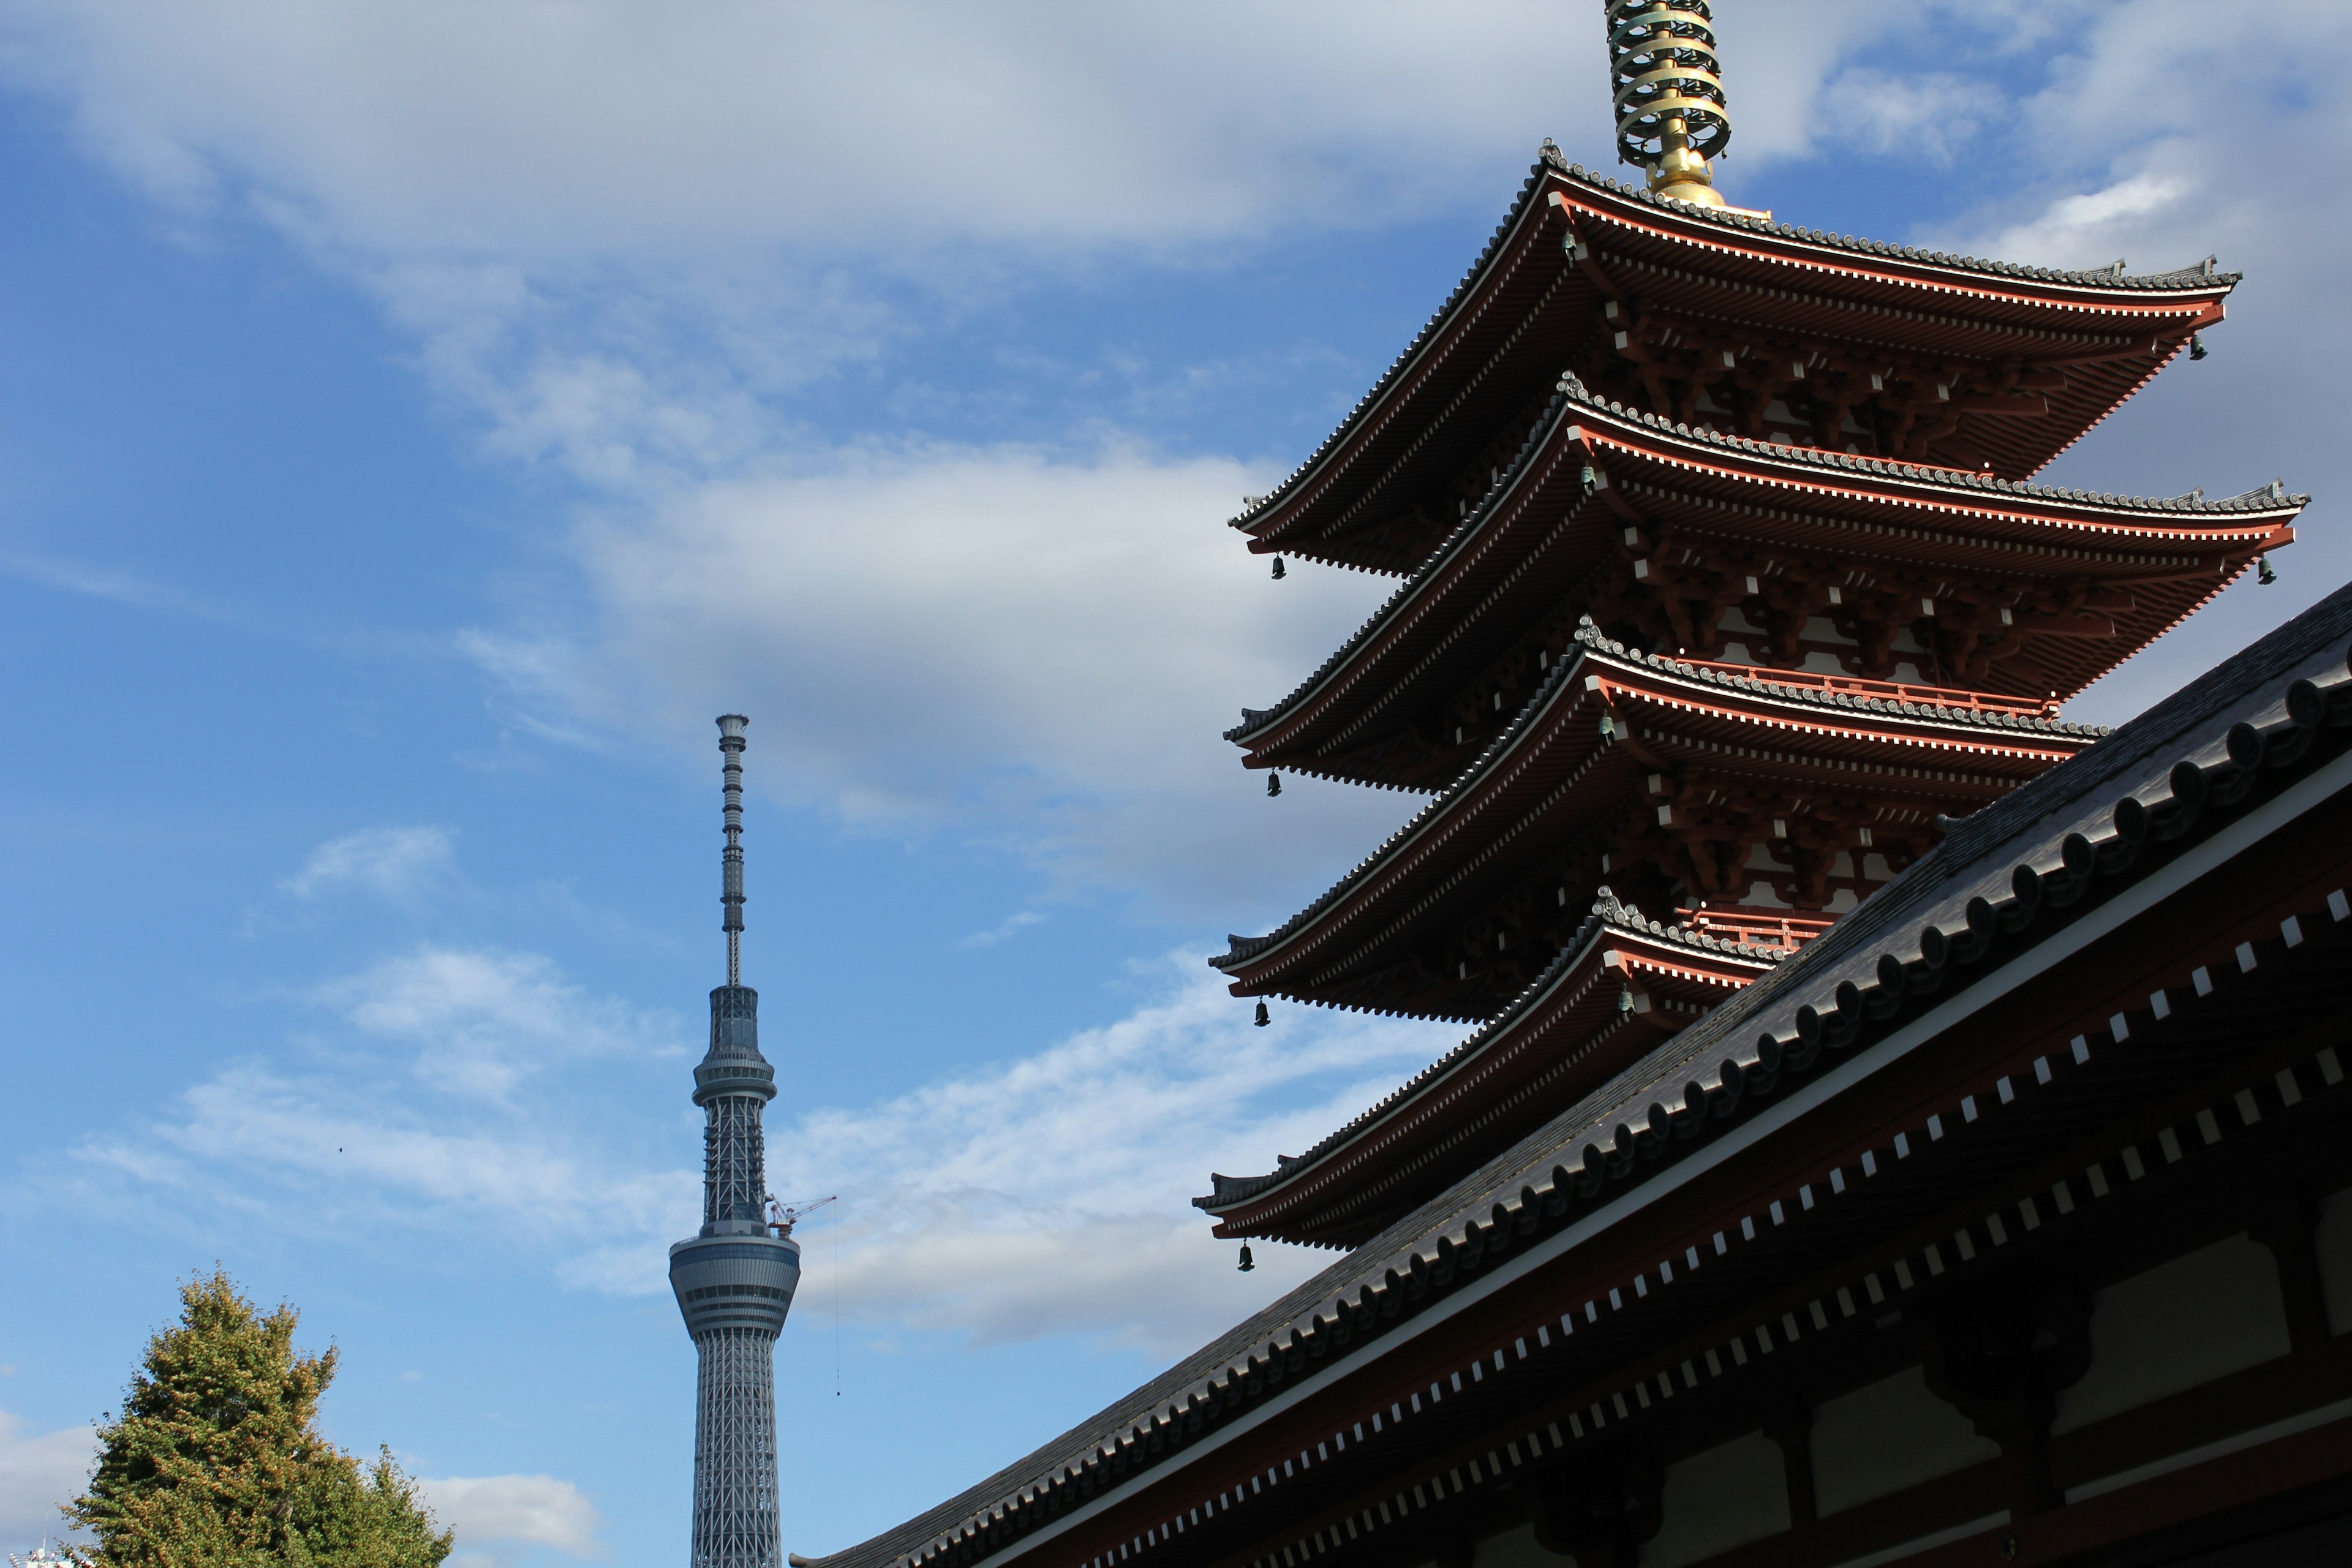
216, 1460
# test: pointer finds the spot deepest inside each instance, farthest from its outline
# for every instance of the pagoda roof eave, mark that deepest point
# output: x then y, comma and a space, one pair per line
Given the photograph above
1595, 652
2110, 291
1008, 1516
2262, 518
1608, 927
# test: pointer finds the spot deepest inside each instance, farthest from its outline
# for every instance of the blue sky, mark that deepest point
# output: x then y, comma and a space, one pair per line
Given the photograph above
416, 423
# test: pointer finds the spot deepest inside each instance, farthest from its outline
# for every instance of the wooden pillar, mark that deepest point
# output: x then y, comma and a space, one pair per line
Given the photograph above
2000, 1354
1790, 1425
1456, 1550
2286, 1222
1601, 1510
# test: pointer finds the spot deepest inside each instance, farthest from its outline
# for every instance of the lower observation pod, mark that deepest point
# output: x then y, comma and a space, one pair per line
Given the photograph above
741, 1282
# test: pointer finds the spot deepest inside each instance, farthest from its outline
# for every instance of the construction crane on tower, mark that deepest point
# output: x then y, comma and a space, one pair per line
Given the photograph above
782, 1217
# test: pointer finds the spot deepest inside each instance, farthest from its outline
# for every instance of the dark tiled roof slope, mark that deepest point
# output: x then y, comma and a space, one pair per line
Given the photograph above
2236, 725
1605, 916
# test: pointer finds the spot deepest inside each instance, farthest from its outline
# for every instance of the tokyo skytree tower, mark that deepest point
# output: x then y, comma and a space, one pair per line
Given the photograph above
734, 1280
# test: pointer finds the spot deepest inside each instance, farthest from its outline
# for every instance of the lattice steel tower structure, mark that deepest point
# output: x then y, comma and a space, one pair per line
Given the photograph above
734, 1281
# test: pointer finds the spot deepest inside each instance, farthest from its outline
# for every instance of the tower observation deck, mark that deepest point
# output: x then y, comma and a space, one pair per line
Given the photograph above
734, 1279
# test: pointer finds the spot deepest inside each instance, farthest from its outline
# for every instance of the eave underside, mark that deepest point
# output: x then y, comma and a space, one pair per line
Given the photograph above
1617, 990
1619, 766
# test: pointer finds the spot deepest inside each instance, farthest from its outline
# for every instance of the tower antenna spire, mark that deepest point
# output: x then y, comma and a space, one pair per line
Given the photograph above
1672, 116
730, 890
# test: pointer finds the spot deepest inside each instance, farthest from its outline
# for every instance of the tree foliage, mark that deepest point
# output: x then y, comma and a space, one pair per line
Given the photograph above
216, 1460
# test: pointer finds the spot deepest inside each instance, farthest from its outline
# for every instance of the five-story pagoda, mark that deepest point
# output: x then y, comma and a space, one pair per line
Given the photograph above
1725, 586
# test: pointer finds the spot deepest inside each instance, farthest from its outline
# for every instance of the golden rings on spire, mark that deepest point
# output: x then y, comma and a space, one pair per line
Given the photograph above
1672, 116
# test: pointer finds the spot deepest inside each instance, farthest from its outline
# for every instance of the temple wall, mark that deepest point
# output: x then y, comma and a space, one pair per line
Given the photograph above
2188, 1321
2212, 1312
1887, 1436
1726, 1497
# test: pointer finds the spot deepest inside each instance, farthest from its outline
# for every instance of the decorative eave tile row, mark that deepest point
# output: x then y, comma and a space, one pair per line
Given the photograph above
2199, 278
1956, 486
1413, 599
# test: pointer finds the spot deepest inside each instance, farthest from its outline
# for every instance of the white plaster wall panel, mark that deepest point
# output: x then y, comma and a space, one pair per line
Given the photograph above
2212, 1312
1726, 1497
1887, 1436
1518, 1549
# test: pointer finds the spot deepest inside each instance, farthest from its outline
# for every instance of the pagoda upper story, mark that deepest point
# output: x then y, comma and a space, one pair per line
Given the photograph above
1716, 318
1727, 586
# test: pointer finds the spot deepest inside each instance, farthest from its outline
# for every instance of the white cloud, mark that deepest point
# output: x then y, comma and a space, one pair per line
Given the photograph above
482, 1021
38, 1472
995, 633
602, 128
350, 1141
2073, 229
530, 1510
2137, 147
394, 863
632, 246
107, 583
1050, 1194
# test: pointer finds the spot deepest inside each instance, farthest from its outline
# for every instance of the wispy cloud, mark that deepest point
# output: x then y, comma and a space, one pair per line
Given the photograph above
444, 129
1051, 1195
395, 863
107, 582
1048, 1194
1011, 926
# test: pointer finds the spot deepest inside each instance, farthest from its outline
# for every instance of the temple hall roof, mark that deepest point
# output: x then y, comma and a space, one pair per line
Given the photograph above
2159, 803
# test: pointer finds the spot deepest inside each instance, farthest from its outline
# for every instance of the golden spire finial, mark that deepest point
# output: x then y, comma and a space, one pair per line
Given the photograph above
1671, 112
